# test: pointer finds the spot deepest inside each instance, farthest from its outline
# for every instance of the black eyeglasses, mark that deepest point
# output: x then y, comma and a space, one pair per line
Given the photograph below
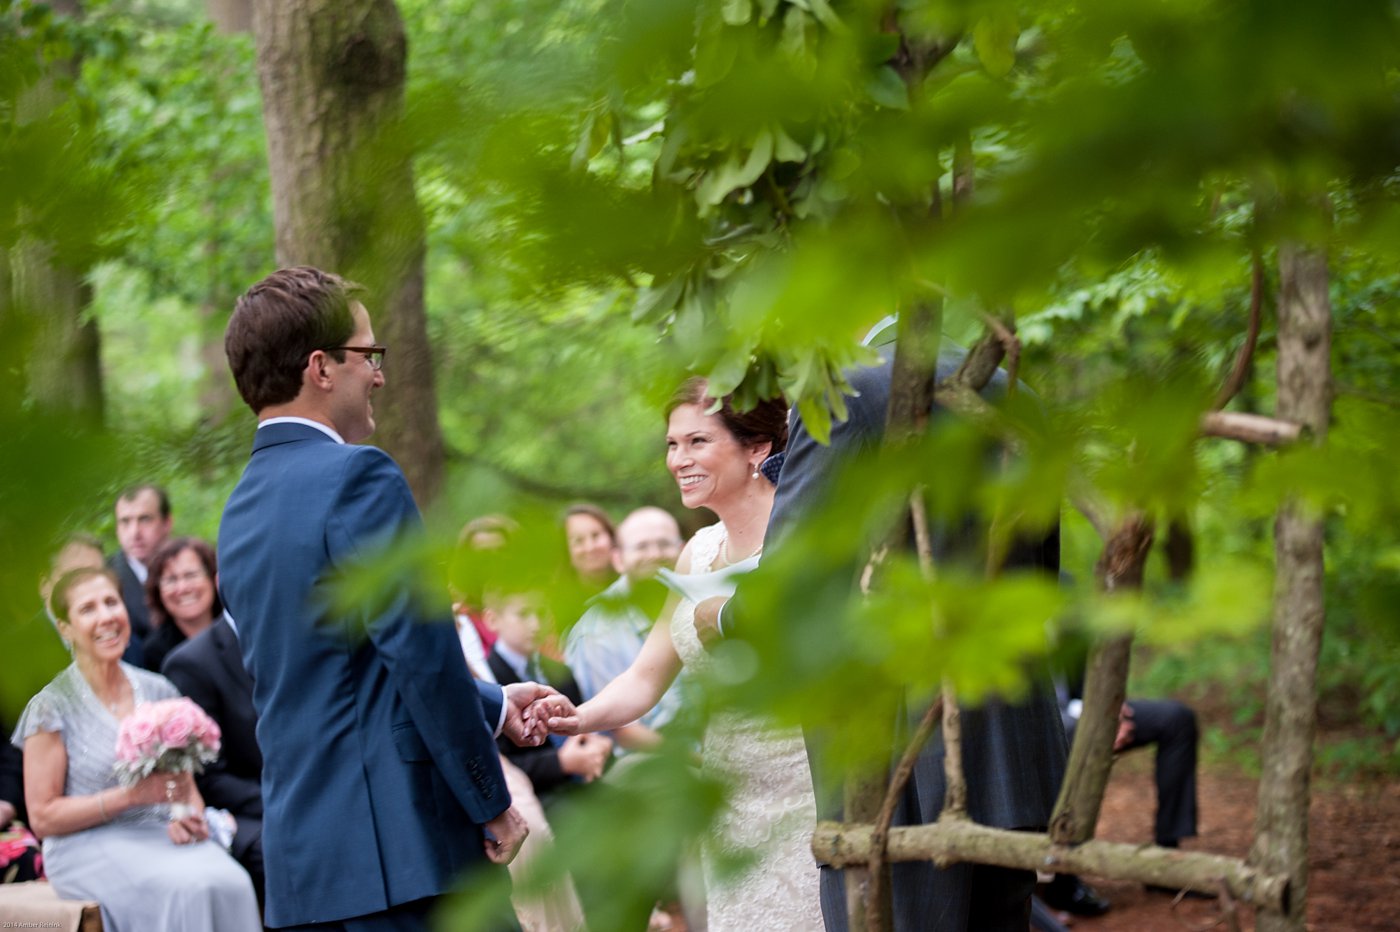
374, 355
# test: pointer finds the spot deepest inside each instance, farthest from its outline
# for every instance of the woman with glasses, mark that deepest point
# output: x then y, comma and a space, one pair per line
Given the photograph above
181, 596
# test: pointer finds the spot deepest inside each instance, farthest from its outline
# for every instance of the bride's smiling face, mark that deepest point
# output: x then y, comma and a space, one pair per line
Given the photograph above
709, 464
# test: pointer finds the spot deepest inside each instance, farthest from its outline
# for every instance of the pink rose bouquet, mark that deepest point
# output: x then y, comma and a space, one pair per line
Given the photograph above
170, 736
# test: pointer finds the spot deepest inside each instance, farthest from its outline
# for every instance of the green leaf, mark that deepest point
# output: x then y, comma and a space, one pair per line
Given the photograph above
888, 89
736, 12
658, 299
995, 37
799, 39
592, 138
785, 148
816, 417
821, 9
766, 9
733, 174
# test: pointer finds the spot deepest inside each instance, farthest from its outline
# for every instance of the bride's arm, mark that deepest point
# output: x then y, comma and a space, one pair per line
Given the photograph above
632, 694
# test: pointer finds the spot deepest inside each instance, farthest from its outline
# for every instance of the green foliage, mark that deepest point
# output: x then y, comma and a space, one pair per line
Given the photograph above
618, 192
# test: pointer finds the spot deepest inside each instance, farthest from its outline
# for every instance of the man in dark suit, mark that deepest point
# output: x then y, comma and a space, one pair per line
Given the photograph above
1013, 754
381, 781
143, 524
209, 669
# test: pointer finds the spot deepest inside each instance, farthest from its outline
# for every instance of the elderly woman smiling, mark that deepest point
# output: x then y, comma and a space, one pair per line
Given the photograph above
118, 845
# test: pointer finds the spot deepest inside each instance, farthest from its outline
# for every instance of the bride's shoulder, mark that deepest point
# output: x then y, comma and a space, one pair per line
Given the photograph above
702, 549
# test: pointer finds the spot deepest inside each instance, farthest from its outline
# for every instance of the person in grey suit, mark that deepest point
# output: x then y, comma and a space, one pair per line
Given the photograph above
1013, 754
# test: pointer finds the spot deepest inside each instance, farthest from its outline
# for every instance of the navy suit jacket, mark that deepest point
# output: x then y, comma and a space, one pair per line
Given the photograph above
379, 768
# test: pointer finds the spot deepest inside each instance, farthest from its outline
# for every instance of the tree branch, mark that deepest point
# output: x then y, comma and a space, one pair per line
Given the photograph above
955, 840
881, 831
1235, 382
1250, 428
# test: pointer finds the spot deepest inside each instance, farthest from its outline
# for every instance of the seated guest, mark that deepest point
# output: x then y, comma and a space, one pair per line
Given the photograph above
471, 566
589, 533
181, 595
142, 515
19, 850
209, 669
515, 658
1171, 726
76, 551
102, 841
609, 636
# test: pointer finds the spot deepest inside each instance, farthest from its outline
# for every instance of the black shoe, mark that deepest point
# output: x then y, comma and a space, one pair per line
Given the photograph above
1067, 892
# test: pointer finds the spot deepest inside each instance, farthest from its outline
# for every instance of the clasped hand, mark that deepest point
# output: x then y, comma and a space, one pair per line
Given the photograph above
526, 718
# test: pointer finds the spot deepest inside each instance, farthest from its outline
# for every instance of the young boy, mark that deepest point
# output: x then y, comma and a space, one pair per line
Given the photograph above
515, 658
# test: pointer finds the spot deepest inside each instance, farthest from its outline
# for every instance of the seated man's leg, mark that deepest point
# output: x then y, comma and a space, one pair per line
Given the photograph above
1171, 725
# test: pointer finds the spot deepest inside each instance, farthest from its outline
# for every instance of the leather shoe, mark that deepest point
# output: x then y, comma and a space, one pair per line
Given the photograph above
1072, 895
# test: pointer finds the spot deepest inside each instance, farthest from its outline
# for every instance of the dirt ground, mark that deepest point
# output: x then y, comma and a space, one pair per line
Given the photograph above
1354, 840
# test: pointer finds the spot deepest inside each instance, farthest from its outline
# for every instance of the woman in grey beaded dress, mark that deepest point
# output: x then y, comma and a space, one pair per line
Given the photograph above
102, 841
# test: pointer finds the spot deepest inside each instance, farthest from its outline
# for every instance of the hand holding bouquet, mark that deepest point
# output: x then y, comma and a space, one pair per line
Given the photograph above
170, 736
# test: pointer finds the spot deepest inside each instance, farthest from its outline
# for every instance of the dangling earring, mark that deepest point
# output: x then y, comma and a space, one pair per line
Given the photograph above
756, 474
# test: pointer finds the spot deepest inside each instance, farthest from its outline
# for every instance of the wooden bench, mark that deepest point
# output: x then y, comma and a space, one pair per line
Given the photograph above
34, 905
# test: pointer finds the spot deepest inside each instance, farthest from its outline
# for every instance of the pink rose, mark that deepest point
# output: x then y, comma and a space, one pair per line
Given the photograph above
178, 727
141, 732
209, 734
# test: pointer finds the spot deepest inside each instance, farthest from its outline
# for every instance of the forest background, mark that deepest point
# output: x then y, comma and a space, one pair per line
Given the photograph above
612, 196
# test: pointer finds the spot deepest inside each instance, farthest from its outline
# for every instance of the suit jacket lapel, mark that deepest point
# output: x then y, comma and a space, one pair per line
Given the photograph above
226, 643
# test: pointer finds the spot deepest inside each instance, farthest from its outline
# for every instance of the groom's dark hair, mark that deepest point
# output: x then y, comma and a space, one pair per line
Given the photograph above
278, 323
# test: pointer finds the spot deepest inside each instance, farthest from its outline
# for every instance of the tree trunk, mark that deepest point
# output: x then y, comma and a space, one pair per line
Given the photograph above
48, 295
231, 16
64, 366
1076, 814
332, 75
1304, 397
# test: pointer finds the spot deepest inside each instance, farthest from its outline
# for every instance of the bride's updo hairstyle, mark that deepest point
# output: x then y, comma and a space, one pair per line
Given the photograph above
767, 421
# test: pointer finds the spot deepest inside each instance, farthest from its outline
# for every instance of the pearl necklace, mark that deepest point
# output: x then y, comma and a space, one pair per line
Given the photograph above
724, 552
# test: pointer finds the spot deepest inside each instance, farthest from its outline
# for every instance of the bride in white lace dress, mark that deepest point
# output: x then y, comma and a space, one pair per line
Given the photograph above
715, 459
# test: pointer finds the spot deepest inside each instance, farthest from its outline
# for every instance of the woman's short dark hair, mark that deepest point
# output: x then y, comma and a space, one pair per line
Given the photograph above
766, 421
278, 323
58, 598
168, 551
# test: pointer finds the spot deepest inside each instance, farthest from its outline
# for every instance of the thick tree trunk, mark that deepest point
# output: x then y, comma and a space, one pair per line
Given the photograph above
49, 296
332, 75
1304, 397
64, 366
231, 16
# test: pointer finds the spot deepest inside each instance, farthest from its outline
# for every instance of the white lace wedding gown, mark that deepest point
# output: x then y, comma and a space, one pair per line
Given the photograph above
771, 809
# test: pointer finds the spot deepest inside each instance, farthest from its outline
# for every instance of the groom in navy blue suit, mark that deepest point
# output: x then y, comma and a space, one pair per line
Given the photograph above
381, 781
